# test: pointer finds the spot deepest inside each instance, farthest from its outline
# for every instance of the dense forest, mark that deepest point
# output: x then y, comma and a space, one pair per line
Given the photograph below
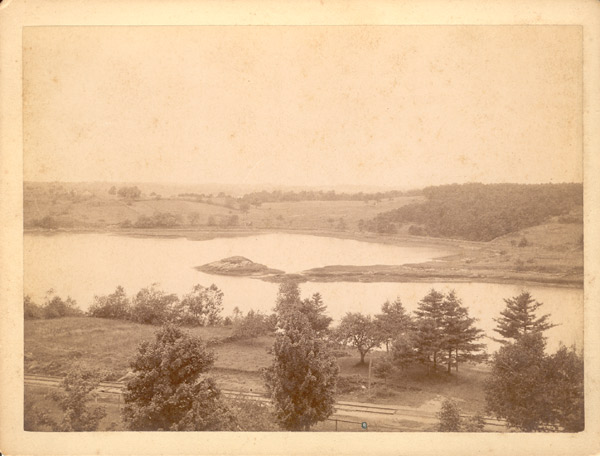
480, 212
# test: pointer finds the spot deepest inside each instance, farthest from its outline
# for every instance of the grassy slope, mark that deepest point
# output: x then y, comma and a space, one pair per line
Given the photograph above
52, 346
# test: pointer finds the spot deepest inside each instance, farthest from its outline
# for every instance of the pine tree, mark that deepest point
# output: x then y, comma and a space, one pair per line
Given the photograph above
460, 336
429, 334
519, 318
392, 322
315, 309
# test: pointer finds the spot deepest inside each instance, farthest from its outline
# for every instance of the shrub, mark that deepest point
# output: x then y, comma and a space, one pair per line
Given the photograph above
383, 368
153, 306
79, 386
31, 310
129, 192
201, 307
114, 306
55, 307
449, 417
253, 415
254, 324
158, 220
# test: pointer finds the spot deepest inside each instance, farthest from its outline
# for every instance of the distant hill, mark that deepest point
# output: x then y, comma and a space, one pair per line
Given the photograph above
480, 212
235, 190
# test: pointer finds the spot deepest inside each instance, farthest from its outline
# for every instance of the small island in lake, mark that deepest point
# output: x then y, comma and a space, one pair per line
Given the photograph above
239, 266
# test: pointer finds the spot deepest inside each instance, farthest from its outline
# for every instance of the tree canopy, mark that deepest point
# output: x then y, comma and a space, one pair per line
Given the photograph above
360, 331
169, 390
480, 212
393, 321
519, 318
536, 392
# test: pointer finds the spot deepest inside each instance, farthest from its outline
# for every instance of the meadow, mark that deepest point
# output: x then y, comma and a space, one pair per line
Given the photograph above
52, 347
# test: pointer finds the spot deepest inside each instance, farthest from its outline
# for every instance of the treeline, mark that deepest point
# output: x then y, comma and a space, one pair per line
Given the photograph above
203, 306
52, 307
480, 212
275, 196
439, 332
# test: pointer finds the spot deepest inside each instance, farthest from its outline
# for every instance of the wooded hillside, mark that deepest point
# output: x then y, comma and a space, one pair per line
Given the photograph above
481, 212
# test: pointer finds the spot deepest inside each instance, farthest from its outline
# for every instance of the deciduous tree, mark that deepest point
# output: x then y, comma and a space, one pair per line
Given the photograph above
533, 391
169, 390
201, 307
360, 331
78, 389
153, 306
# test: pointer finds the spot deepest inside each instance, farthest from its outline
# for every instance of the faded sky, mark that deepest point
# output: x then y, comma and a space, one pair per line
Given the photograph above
390, 106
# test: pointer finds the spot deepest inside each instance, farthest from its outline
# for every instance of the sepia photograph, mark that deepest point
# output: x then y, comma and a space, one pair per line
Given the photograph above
303, 228
248, 229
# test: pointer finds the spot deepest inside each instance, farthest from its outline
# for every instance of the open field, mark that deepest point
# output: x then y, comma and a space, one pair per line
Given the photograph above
93, 208
53, 346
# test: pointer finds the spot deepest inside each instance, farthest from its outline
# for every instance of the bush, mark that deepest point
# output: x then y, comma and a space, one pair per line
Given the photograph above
201, 307
114, 306
129, 192
415, 230
79, 386
449, 417
153, 306
349, 384
55, 307
254, 324
253, 416
158, 220
31, 310
523, 242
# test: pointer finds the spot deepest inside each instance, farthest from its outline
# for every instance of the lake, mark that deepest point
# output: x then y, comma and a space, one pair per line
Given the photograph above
84, 265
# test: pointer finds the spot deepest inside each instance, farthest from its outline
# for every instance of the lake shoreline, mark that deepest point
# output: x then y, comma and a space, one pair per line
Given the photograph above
456, 267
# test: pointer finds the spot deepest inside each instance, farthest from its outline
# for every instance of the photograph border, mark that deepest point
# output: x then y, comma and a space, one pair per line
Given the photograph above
16, 14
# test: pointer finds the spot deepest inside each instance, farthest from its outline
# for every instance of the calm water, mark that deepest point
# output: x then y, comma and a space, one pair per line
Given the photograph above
84, 265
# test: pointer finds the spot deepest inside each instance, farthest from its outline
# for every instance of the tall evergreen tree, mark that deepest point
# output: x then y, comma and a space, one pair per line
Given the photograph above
429, 334
519, 318
315, 309
302, 378
393, 322
288, 299
460, 336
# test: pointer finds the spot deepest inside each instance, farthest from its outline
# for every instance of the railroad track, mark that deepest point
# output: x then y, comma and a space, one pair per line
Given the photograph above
340, 406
